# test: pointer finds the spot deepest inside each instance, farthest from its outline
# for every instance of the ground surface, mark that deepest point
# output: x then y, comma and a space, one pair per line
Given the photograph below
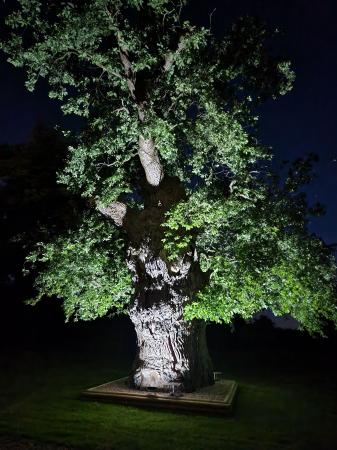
286, 400
11, 443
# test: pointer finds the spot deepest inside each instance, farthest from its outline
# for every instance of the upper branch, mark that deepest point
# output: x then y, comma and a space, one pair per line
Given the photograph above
169, 60
130, 76
150, 161
115, 211
147, 152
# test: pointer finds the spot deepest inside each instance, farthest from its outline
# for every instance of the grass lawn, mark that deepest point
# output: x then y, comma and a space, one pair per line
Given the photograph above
286, 400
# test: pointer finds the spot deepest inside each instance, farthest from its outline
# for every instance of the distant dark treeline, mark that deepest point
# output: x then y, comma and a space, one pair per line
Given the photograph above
31, 202
30, 198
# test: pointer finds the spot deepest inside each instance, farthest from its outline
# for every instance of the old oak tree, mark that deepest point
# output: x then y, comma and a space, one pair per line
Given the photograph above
185, 223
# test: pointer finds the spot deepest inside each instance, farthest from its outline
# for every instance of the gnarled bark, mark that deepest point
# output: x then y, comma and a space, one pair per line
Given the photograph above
172, 352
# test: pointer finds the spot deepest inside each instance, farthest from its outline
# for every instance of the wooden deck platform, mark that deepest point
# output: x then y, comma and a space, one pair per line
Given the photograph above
215, 399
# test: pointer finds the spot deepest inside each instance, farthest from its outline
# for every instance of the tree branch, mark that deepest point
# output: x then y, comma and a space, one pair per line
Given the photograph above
115, 211
130, 77
149, 159
147, 152
169, 60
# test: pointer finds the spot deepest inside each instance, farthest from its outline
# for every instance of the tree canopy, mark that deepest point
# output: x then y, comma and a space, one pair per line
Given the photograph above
139, 73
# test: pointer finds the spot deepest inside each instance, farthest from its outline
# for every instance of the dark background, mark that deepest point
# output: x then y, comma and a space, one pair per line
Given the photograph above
303, 121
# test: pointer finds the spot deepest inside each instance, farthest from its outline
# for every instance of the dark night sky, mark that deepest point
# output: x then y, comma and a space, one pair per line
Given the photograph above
301, 122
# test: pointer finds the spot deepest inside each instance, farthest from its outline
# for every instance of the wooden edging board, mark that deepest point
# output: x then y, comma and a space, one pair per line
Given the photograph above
203, 401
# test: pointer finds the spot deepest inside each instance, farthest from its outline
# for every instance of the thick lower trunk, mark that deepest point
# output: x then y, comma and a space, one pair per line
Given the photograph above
172, 353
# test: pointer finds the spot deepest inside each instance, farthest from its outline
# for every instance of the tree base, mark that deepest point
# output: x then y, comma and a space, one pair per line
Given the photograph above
215, 399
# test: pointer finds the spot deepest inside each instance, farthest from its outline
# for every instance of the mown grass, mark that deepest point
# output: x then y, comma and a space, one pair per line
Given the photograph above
286, 400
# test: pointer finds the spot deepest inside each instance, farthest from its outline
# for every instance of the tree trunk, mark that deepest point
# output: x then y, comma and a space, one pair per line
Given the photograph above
172, 353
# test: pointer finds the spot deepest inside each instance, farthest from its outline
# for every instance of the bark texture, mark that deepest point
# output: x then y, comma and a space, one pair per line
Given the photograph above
149, 159
115, 211
172, 353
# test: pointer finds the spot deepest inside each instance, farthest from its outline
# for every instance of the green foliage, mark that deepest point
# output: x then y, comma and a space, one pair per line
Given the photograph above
86, 269
199, 96
295, 278
220, 138
76, 47
258, 253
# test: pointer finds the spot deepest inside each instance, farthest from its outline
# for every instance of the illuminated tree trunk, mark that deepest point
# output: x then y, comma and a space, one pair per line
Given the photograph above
172, 353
